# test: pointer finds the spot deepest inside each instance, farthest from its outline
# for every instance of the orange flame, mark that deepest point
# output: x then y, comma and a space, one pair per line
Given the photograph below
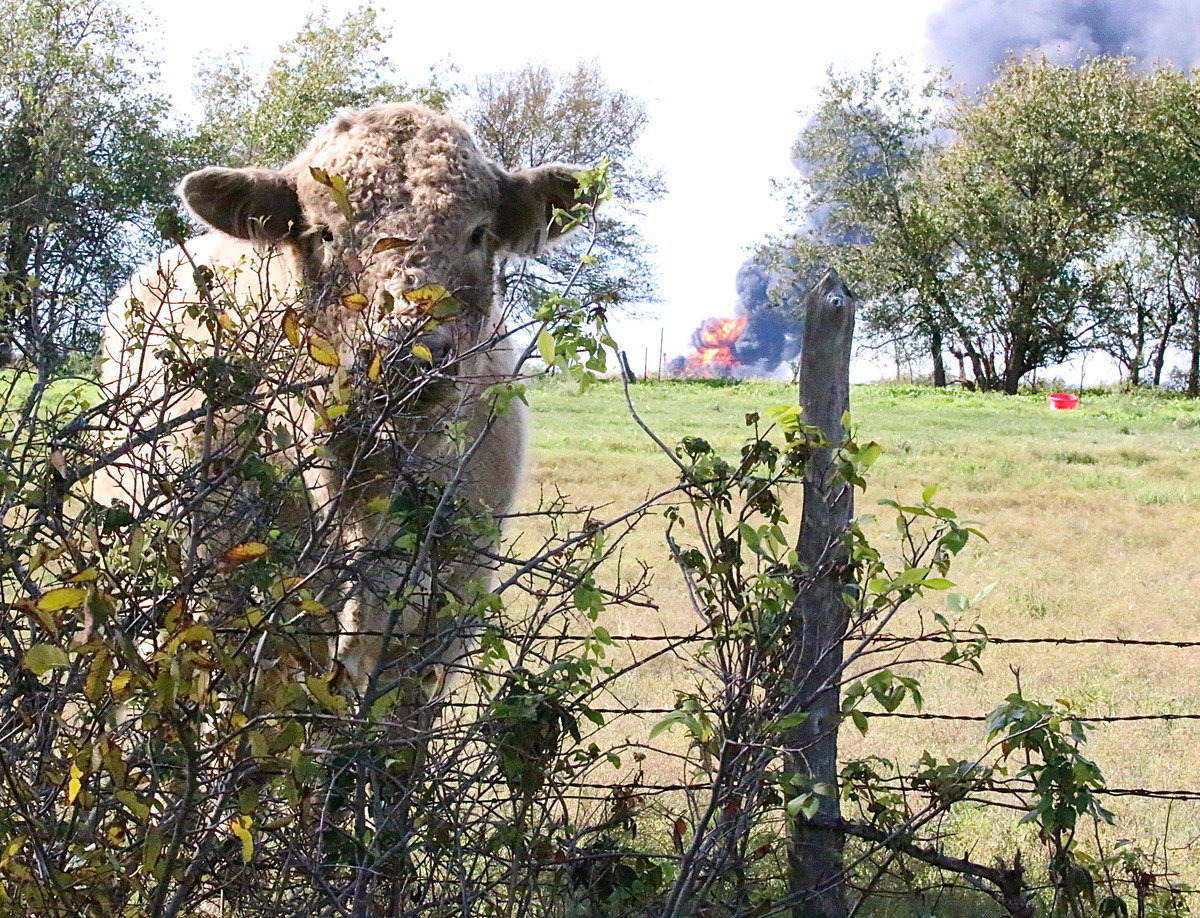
714, 347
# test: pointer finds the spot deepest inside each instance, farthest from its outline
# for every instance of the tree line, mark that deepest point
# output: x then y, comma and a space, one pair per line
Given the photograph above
993, 233
91, 148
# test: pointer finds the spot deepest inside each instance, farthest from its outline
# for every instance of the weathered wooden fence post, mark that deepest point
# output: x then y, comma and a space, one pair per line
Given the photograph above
820, 615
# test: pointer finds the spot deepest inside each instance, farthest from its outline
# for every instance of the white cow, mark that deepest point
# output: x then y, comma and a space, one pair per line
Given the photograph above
333, 266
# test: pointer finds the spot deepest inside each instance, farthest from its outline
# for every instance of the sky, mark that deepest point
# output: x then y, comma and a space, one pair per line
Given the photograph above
725, 92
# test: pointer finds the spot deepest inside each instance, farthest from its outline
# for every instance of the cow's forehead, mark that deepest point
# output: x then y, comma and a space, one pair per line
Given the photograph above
395, 157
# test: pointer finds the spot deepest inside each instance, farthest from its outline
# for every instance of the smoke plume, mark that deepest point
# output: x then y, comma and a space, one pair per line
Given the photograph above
974, 36
770, 336
756, 342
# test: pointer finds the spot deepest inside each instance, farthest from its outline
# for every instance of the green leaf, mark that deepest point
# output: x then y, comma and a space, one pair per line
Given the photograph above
750, 536
41, 658
911, 576
860, 721
957, 602
546, 346
805, 805
667, 722
787, 722
869, 454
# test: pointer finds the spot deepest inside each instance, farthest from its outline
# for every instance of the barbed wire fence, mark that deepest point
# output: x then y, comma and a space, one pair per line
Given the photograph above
179, 736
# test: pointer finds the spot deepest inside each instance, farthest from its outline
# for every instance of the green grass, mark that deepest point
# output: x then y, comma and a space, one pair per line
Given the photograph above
1093, 521
66, 394
955, 436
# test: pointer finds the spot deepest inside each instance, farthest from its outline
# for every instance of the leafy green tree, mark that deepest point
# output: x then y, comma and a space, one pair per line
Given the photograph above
1163, 189
869, 206
1141, 317
85, 159
251, 117
534, 116
1031, 189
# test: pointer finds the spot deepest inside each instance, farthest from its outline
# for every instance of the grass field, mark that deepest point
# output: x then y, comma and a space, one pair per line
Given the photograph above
1093, 521
1093, 518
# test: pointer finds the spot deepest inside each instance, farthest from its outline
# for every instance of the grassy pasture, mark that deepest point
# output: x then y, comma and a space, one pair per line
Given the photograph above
1093, 520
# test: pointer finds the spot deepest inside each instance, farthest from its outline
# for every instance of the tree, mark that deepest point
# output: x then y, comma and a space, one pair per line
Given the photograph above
534, 116
84, 161
1031, 189
1137, 322
1163, 189
867, 201
264, 119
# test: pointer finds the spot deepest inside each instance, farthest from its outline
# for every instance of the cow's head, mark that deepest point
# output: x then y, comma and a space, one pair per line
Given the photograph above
384, 201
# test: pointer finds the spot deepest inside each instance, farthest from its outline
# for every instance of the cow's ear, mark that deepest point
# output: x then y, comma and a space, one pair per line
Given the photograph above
526, 223
258, 204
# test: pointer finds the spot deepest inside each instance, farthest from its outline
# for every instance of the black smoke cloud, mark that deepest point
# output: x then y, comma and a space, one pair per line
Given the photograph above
974, 36
770, 302
771, 335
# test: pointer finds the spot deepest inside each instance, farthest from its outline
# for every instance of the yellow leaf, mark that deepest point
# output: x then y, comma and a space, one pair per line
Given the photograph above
240, 554
120, 680
547, 347
314, 607
174, 614
318, 687
43, 657
319, 174
375, 370
197, 633
335, 411
319, 411
320, 350
96, 684
355, 302
378, 504
420, 350
291, 327
241, 828
287, 584
75, 784
427, 295
14, 845
62, 598
340, 194
341, 391
227, 322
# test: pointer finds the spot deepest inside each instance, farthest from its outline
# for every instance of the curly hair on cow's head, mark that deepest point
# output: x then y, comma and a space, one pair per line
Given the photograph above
397, 172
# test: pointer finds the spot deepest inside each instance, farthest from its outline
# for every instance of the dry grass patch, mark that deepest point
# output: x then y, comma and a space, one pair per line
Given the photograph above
1093, 518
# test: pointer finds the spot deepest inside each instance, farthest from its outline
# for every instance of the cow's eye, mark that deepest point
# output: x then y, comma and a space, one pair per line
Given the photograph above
477, 235
326, 234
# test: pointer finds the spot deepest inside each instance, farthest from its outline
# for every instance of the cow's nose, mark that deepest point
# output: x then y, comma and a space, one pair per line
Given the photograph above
402, 281
413, 345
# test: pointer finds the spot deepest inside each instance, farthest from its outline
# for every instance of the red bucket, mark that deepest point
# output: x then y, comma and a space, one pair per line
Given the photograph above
1063, 401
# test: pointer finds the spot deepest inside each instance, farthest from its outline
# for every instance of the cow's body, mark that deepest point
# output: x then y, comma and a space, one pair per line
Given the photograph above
422, 210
